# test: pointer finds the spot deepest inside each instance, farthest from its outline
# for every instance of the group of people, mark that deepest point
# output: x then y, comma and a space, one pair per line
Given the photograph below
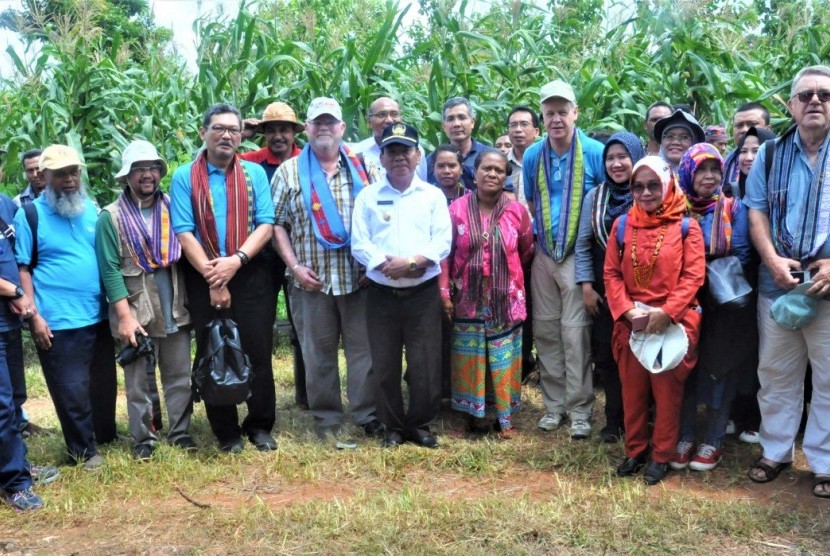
607, 255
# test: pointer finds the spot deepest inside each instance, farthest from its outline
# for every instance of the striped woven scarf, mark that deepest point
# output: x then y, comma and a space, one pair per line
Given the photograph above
151, 246
573, 188
500, 273
240, 198
813, 221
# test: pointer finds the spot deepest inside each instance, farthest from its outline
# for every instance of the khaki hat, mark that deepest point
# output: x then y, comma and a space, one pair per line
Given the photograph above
55, 157
280, 112
324, 105
135, 152
557, 88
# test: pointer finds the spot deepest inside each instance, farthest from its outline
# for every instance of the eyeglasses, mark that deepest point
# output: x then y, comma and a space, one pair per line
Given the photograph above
680, 138
222, 130
807, 96
515, 125
392, 114
63, 173
152, 169
652, 186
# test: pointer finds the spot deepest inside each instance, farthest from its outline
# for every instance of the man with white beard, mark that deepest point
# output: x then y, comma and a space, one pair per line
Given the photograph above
59, 271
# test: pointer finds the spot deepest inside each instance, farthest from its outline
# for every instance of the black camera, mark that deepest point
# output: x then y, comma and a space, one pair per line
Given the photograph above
129, 354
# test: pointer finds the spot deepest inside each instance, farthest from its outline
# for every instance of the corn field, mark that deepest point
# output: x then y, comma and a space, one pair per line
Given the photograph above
620, 57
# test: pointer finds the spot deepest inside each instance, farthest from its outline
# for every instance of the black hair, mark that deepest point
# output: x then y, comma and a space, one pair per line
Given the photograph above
496, 152
747, 106
534, 117
221, 108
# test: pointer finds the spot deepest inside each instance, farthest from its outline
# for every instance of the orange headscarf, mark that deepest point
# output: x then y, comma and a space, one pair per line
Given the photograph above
673, 207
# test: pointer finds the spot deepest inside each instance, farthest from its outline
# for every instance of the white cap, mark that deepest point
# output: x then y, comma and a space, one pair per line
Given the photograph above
324, 105
559, 89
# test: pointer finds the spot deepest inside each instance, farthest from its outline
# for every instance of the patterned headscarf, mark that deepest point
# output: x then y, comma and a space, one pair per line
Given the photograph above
689, 163
724, 208
716, 133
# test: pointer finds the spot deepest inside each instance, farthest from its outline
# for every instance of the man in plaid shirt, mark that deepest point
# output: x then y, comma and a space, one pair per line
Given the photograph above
314, 196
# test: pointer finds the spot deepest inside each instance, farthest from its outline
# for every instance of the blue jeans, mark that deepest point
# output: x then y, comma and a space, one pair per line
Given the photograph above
14, 469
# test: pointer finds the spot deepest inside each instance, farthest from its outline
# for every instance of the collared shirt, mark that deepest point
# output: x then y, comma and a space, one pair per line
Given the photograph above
268, 160
516, 174
594, 169
799, 182
68, 290
467, 166
370, 150
336, 268
27, 196
401, 224
181, 203
8, 265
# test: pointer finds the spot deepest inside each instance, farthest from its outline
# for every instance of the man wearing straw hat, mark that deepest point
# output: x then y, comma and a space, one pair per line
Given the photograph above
278, 126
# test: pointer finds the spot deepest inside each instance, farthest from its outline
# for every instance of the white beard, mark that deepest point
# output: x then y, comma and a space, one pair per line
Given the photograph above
68, 205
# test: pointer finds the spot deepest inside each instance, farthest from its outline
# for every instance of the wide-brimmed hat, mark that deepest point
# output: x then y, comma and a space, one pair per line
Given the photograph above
55, 157
682, 119
659, 352
280, 112
139, 151
795, 309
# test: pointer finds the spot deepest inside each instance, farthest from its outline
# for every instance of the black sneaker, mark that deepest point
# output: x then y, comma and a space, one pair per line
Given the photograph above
142, 452
185, 443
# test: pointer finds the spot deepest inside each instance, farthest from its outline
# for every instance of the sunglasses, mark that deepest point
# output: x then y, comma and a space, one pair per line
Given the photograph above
807, 96
652, 186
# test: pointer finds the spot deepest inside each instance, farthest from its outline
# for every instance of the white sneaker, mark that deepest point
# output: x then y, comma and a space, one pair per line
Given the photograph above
750, 437
580, 429
551, 421
730, 427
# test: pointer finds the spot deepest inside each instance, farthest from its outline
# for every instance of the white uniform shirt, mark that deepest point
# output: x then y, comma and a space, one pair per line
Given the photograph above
388, 222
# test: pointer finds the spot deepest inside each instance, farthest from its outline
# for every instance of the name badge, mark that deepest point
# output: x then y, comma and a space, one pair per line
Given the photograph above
382, 203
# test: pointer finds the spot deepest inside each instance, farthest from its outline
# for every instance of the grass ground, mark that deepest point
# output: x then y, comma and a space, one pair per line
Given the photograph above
539, 493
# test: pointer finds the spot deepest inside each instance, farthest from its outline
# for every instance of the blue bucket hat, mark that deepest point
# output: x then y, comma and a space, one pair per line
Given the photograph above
795, 309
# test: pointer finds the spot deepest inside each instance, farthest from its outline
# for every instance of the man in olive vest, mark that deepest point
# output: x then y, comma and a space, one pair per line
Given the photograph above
137, 256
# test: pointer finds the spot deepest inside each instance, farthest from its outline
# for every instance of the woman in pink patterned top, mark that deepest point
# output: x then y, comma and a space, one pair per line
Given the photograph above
482, 288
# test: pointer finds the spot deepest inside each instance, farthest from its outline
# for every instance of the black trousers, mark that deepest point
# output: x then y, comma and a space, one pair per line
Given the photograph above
79, 370
253, 307
411, 319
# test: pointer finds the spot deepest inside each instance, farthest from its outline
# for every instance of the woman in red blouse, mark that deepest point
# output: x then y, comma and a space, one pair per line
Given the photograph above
659, 267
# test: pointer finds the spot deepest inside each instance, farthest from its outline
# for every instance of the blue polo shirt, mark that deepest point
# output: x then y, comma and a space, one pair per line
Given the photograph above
467, 165
8, 265
594, 174
68, 290
799, 182
181, 205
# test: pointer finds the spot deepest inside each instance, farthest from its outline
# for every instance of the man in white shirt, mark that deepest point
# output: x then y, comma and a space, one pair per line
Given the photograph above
401, 232
382, 112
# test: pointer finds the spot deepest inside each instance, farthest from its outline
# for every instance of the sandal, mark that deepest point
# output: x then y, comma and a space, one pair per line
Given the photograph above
770, 473
821, 480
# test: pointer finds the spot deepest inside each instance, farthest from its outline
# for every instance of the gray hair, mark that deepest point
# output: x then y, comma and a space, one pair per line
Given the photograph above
809, 70
458, 101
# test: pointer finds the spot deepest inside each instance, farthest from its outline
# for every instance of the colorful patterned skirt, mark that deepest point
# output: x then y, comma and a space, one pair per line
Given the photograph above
486, 368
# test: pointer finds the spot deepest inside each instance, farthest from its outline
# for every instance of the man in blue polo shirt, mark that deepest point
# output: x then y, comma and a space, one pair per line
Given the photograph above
223, 215
69, 327
459, 119
557, 173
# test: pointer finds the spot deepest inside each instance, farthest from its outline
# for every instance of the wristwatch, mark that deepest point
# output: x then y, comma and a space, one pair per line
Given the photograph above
18, 293
412, 264
242, 257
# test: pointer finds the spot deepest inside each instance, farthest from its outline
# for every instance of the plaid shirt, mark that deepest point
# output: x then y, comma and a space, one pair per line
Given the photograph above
336, 268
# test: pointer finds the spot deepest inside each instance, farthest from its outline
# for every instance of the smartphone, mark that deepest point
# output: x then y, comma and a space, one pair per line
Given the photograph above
638, 324
801, 275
